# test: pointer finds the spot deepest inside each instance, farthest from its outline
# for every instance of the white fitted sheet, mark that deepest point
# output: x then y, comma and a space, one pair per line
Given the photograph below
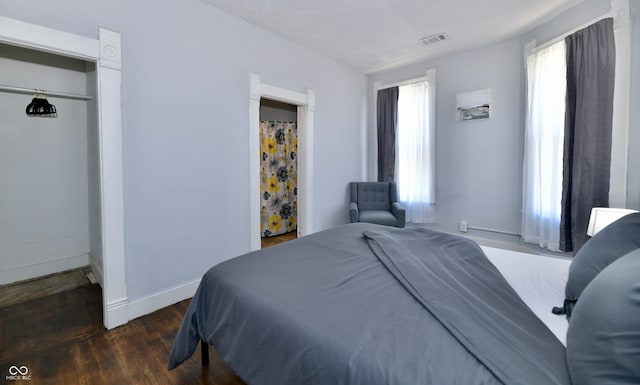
539, 280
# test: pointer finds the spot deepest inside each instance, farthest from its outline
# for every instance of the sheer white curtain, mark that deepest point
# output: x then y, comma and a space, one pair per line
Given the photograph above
544, 136
415, 152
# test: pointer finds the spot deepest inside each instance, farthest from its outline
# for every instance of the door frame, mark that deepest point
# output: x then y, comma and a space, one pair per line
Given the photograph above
305, 103
106, 53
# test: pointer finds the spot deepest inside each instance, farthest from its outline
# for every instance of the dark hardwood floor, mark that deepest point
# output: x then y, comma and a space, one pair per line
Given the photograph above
60, 339
23, 291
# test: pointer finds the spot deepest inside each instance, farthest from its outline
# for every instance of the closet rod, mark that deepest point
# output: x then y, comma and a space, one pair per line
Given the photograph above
32, 91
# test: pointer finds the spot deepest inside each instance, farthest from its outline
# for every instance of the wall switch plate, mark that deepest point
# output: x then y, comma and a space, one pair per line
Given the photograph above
463, 226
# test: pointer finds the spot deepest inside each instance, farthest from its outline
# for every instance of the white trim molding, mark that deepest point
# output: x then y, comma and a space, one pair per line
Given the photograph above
306, 107
116, 312
37, 37
105, 52
114, 289
110, 49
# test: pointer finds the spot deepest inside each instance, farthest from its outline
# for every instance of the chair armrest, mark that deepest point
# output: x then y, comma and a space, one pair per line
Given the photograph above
353, 212
399, 212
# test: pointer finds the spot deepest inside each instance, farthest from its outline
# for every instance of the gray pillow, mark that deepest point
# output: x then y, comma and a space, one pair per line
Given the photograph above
614, 241
603, 339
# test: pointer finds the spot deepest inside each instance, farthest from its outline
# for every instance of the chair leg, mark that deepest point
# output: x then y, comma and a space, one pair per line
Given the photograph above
204, 348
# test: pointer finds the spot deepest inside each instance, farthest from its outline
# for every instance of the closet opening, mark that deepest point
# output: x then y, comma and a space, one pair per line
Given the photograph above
50, 205
278, 172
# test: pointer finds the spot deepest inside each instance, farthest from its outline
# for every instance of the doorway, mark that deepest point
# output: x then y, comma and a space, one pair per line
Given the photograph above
278, 172
105, 52
305, 106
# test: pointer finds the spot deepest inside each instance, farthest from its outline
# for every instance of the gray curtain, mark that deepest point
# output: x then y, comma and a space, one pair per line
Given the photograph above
588, 120
387, 107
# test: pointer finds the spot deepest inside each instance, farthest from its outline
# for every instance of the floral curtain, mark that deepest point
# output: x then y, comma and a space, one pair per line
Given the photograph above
279, 148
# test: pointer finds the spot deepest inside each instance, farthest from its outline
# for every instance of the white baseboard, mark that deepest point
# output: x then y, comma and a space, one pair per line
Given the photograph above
116, 314
149, 304
43, 268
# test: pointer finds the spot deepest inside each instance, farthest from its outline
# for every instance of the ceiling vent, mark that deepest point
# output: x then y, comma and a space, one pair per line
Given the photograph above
434, 38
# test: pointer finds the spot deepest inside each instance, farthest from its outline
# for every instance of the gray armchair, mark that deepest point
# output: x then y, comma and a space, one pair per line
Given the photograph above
376, 202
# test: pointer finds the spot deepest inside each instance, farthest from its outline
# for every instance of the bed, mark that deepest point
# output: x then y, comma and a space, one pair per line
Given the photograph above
367, 304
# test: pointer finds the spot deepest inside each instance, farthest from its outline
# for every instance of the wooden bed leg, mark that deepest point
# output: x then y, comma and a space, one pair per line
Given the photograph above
204, 348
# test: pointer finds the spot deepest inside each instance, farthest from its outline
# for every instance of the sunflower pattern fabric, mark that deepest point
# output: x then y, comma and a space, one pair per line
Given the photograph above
279, 148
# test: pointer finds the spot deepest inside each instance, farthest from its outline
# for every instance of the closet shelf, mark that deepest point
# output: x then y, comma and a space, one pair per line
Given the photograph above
32, 91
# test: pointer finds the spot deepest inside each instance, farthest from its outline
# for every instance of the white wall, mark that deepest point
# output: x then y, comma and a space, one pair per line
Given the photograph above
479, 180
478, 170
185, 88
43, 168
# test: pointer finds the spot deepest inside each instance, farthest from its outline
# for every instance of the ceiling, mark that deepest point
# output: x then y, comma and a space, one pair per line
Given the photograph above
374, 35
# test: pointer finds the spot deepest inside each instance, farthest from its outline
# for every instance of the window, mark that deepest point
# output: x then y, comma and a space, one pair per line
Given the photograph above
544, 143
415, 149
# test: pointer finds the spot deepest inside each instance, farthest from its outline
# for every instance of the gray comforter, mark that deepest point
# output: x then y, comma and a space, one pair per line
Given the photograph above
366, 304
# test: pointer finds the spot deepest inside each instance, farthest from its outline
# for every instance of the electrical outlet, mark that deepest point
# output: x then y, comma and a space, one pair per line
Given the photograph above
463, 226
